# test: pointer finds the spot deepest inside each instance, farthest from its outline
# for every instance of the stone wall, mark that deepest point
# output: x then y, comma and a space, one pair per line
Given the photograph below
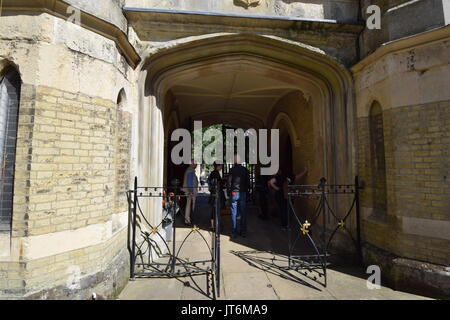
298, 124
417, 158
76, 274
73, 161
402, 18
68, 219
122, 136
77, 147
342, 10
411, 240
108, 10
302, 132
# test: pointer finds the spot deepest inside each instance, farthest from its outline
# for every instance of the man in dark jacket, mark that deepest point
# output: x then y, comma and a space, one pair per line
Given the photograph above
238, 183
216, 185
280, 183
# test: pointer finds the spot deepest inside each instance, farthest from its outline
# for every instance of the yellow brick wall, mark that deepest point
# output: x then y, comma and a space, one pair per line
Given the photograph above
42, 275
50, 277
122, 159
12, 284
417, 143
71, 161
72, 168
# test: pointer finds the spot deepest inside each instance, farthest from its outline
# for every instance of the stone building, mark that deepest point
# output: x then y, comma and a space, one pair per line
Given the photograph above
91, 90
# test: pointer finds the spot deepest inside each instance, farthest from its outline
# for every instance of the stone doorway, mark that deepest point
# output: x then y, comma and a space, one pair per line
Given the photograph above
248, 81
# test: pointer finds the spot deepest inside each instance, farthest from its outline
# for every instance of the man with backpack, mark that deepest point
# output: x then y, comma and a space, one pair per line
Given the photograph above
237, 186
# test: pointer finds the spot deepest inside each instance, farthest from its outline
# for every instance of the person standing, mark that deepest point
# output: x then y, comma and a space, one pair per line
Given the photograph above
215, 186
237, 186
263, 194
280, 183
190, 188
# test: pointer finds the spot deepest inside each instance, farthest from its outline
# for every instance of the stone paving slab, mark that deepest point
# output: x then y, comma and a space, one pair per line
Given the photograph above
287, 289
248, 286
151, 289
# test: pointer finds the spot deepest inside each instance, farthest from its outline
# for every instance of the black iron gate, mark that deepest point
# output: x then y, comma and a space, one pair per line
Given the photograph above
155, 248
318, 236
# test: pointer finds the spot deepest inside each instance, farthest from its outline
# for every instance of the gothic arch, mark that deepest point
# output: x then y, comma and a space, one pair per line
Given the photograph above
121, 98
301, 66
282, 116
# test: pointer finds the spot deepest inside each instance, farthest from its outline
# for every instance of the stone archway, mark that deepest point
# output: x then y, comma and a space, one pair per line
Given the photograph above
277, 67
289, 125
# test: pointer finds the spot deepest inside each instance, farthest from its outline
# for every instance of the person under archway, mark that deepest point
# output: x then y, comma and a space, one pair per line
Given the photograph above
279, 183
215, 186
237, 187
190, 188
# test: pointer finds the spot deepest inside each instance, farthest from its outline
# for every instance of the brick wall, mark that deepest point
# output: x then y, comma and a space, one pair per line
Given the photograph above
102, 268
417, 141
122, 159
74, 274
72, 166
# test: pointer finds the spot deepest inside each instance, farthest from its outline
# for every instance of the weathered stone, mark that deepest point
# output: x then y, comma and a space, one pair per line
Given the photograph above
90, 118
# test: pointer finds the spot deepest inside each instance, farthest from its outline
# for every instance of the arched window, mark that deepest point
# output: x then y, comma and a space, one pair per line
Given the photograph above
10, 84
378, 159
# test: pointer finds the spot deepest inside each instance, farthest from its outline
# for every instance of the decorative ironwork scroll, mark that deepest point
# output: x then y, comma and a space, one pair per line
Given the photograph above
319, 235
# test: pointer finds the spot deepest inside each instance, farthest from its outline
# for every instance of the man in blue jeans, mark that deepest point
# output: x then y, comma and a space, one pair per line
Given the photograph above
238, 182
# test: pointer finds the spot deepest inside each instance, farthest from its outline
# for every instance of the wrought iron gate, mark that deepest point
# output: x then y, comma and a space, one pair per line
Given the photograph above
319, 236
153, 246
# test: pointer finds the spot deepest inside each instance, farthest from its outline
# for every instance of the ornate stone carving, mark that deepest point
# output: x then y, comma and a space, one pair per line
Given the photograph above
247, 3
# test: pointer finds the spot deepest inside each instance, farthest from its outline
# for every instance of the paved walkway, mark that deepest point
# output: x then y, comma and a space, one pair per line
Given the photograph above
249, 271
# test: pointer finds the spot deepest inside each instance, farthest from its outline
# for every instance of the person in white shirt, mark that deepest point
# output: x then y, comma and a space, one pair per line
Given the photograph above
190, 188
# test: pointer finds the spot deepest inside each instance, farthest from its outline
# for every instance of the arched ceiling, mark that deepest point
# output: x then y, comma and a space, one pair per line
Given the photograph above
215, 74
240, 77
234, 97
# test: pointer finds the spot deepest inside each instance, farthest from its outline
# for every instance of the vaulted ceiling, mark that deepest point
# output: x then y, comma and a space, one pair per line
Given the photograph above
235, 97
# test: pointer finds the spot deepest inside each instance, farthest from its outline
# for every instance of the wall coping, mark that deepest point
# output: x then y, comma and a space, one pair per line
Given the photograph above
414, 41
199, 21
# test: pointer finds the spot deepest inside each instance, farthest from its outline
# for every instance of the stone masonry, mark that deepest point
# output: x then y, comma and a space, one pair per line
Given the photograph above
101, 90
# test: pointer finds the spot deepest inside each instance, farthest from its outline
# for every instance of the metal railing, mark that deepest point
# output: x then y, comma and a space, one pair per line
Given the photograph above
152, 254
320, 235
